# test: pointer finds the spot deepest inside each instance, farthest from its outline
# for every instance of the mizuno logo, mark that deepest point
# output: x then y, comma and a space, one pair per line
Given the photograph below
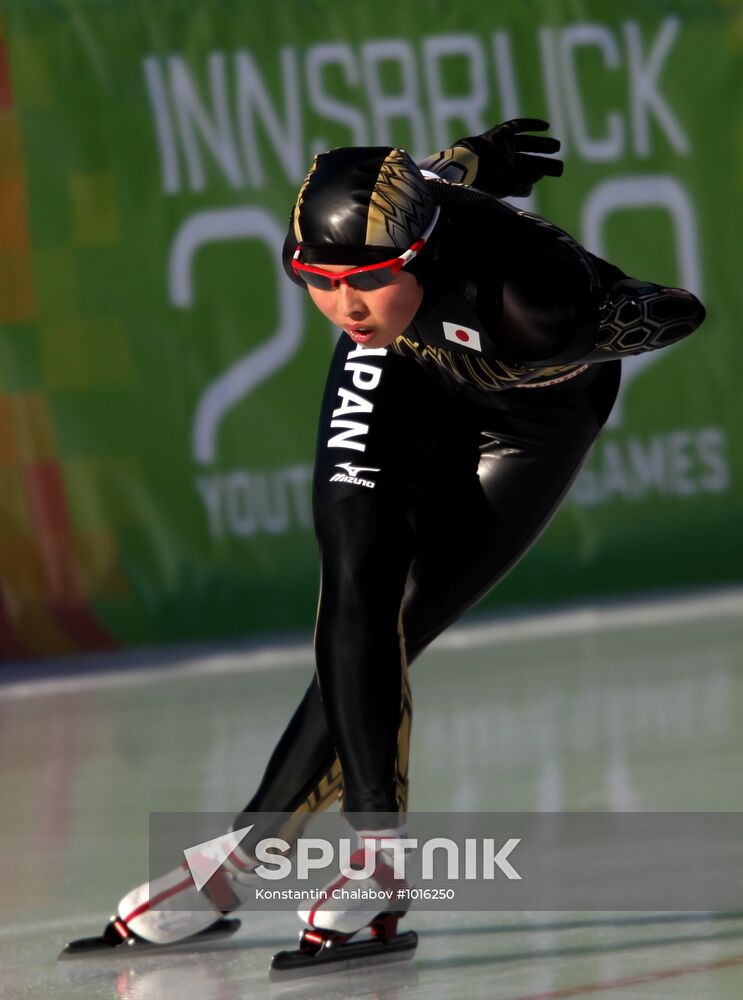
352, 475
354, 470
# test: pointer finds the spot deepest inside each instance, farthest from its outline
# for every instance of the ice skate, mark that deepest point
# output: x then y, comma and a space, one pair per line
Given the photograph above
141, 925
371, 908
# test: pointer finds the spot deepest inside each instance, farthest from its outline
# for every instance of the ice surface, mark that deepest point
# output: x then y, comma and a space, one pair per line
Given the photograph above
646, 718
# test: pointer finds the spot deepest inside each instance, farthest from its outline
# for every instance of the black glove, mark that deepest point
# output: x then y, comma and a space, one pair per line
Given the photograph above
507, 164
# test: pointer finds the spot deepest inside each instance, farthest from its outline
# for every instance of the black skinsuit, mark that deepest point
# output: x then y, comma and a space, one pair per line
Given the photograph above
439, 462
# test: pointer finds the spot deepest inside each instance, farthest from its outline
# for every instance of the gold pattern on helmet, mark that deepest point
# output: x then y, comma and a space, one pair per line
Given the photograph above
400, 204
300, 197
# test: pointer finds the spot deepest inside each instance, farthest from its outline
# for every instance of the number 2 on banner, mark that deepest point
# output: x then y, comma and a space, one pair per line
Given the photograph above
253, 368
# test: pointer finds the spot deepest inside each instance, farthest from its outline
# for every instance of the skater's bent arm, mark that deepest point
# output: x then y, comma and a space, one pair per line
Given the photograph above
639, 316
562, 304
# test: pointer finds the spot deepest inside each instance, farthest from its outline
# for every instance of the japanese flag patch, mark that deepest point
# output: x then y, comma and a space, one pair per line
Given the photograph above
463, 336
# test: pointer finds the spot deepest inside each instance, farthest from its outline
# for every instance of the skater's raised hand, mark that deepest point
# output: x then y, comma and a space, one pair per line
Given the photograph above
502, 161
511, 162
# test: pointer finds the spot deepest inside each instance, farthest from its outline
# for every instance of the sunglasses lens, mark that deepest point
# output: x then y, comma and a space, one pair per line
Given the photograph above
321, 281
367, 281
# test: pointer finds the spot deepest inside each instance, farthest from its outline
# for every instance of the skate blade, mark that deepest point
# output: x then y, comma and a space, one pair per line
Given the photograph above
287, 965
102, 947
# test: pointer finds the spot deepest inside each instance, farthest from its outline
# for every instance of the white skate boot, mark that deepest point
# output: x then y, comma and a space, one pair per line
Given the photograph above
141, 922
372, 897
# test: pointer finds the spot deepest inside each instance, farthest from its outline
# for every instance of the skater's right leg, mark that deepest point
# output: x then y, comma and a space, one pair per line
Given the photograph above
364, 537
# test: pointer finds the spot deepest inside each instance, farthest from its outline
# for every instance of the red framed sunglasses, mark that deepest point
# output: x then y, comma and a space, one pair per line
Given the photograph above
363, 279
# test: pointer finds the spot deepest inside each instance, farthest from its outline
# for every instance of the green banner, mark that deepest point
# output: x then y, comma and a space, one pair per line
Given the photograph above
159, 376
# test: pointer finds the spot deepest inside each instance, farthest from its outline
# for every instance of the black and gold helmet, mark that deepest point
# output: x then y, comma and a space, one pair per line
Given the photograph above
358, 205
